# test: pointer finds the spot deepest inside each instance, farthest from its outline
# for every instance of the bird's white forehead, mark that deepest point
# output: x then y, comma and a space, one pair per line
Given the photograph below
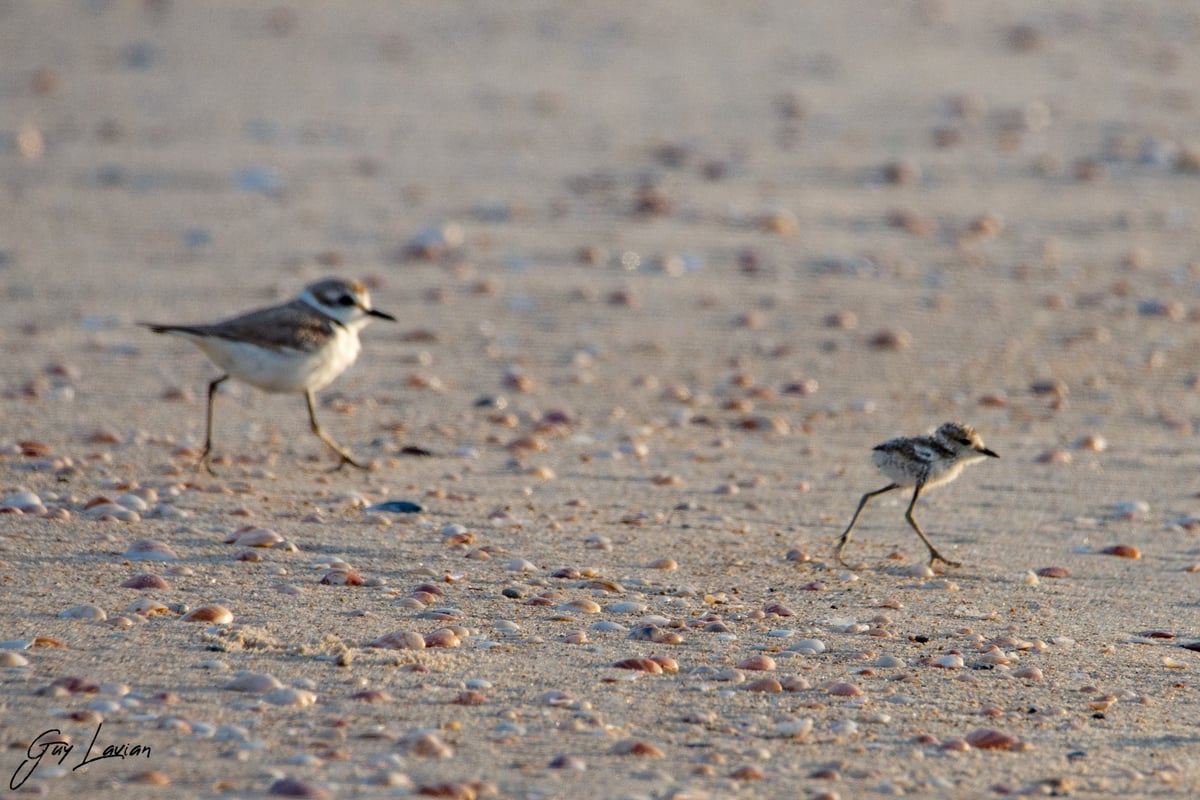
331, 288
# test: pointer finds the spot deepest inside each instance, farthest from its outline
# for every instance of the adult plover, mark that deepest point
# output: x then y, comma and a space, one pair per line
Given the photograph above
299, 346
922, 462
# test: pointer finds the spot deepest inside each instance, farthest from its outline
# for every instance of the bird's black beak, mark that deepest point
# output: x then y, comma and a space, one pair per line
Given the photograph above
986, 452
374, 312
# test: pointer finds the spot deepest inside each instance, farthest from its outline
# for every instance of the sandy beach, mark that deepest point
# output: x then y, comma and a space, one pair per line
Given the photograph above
662, 277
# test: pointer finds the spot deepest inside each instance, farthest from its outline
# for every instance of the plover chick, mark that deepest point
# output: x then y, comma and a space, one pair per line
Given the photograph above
922, 462
298, 346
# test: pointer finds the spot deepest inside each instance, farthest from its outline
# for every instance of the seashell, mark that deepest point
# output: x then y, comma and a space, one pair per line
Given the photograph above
255, 537
794, 728
1122, 551
759, 662
470, 697
567, 762
890, 339
1029, 674
584, 606
341, 577
47, 641
667, 663
442, 637
24, 501
779, 610
748, 772
112, 512
145, 580
253, 683
11, 660
286, 696
88, 612
990, 739
132, 502
995, 658
637, 747
949, 661
625, 607
74, 684
426, 744
214, 613
151, 777
795, 683
371, 696
399, 640
663, 563
807, 646
145, 607
1053, 572
640, 665
765, 685
295, 787
844, 690
150, 550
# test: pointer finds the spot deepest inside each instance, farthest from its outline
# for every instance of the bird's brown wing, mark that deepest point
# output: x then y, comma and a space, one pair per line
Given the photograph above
292, 326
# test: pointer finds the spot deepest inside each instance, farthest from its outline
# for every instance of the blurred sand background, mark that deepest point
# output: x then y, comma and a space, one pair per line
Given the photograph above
664, 275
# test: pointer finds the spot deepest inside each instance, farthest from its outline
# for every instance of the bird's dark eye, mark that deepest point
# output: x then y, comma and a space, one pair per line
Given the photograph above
346, 300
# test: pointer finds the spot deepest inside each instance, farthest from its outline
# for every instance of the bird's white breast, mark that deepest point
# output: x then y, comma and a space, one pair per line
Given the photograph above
283, 369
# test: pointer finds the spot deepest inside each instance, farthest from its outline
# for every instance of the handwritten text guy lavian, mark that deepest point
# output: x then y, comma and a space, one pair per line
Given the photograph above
52, 743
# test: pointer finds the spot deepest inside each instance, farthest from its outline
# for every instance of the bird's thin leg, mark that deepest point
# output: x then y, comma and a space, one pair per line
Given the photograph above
934, 555
343, 454
866, 498
208, 427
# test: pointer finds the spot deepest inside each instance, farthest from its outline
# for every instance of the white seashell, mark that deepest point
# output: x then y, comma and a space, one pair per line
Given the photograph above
253, 683
794, 728
808, 647
104, 706
258, 537
951, 661
112, 511
607, 626
400, 640
132, 502
11, 660
88, 612
625, 607
231, 733
286, 696
24, 501
149, 550
146, 607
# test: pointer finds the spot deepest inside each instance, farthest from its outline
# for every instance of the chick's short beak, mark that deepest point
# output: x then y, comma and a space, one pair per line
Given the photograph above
374, 312
987, 452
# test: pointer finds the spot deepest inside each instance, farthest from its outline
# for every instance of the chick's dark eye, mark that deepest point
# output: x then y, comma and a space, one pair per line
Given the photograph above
346, 300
